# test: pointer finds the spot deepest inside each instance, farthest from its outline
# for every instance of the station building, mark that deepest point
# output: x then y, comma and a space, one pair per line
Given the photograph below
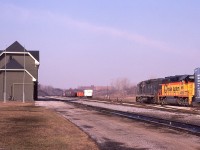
18, 73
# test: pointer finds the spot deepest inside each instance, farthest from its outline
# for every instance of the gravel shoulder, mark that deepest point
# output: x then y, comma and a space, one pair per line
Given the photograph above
163, 114
111, 132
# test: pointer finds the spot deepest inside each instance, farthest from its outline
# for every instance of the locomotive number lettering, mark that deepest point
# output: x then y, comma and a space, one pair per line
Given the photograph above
169, 89
175, 89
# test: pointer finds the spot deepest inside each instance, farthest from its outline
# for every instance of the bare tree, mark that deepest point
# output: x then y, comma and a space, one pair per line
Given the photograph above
121, 84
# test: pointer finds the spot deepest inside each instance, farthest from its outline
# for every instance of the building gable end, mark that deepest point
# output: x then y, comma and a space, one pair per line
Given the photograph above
12, 64
16, 47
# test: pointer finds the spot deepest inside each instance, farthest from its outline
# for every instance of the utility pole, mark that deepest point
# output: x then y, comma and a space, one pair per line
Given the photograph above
5, 80
24, 78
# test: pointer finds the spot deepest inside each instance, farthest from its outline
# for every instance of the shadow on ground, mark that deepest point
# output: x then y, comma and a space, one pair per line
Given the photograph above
112, 145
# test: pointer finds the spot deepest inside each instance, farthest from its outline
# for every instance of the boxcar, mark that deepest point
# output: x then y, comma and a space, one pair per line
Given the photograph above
70, 93
80, 94
88, 93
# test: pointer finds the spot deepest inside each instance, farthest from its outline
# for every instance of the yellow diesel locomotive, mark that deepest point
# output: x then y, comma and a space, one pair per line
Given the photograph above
179, 89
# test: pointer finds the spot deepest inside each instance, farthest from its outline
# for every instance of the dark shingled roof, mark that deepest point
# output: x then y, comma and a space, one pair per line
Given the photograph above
35, 55
15, 47
13, 64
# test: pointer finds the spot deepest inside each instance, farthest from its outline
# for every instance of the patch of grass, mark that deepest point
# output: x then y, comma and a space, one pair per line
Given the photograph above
25, 126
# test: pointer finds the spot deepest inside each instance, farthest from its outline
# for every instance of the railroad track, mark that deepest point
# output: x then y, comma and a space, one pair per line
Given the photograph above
193, 129
190, 128
191, 110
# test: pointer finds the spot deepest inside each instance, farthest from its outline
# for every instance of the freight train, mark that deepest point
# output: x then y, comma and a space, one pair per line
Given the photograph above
78, 93
179, 89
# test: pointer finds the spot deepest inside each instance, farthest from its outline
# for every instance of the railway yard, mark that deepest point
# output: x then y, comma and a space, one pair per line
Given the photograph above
130, 125
100, 75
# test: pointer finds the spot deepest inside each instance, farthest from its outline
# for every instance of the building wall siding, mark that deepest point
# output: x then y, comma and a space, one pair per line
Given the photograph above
14, 86
29, 64
1, 85
2, 60
14, 77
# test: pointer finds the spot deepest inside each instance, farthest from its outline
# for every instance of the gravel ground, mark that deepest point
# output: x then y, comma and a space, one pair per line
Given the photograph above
111, 132
177, 116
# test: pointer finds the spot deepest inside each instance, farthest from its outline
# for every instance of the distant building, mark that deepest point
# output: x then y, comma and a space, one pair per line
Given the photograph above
18, 73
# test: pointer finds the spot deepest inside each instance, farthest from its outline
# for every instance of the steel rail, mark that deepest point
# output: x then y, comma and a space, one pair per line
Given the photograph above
190, 128
194, 129
166, 108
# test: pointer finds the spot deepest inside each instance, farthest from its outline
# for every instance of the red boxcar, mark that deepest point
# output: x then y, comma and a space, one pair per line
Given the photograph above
80, 94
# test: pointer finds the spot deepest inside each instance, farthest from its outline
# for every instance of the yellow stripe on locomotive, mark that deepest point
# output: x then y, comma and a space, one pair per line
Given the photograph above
182, 91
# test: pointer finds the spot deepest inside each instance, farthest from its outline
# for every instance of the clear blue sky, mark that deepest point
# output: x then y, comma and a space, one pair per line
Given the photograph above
92, 42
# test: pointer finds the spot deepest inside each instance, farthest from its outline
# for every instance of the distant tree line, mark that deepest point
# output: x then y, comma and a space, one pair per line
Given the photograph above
121, 87
45, 90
